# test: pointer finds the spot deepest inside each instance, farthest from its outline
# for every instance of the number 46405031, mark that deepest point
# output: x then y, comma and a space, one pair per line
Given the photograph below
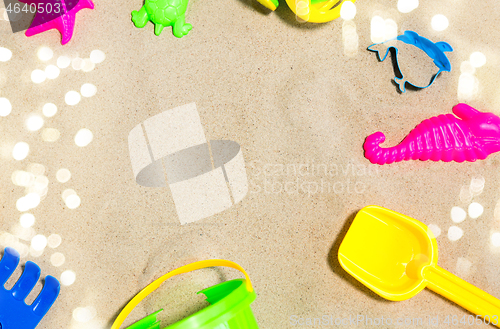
471, 320
41, 8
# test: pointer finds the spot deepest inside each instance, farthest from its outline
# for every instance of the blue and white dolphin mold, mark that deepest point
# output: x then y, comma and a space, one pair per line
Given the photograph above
434, 55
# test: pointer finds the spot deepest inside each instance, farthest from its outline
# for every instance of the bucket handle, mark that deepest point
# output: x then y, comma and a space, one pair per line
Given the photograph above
184, 269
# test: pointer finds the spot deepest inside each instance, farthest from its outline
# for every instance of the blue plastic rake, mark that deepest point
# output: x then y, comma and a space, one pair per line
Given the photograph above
14, 312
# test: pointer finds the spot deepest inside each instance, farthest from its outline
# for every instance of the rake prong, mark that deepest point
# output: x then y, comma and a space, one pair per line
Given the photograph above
47, 296
14, 312
8, 264
26, 282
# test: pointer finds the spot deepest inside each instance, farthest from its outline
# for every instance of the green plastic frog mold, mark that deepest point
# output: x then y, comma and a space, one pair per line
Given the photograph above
163, 13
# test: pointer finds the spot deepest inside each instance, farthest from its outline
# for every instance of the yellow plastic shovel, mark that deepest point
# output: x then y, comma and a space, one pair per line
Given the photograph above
396, 257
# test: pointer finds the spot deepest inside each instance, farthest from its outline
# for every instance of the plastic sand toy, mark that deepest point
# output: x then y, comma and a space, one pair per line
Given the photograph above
314, 11
473, 135
61, 16
422, 55
229, 303
14, 312
163, 13
396, 257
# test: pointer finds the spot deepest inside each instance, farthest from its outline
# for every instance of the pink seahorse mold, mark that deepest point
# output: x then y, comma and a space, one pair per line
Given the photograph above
63, 19
473, 135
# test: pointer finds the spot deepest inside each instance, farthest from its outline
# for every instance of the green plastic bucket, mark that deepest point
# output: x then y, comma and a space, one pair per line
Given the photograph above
148, 322
229, 303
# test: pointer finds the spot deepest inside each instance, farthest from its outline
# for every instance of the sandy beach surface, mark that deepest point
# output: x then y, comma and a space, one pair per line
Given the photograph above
299, 99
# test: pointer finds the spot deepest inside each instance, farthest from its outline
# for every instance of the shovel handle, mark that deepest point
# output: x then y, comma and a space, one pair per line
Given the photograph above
463, 293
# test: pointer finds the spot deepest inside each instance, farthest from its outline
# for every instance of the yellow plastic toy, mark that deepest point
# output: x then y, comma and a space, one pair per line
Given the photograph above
396, 257
184, 269
315, 11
